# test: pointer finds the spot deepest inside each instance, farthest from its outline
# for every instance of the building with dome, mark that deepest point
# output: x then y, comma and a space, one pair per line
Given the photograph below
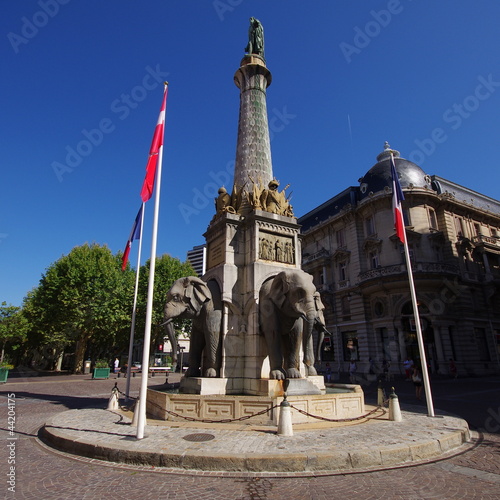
350, 247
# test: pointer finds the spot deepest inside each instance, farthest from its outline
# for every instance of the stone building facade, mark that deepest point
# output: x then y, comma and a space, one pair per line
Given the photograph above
350, 247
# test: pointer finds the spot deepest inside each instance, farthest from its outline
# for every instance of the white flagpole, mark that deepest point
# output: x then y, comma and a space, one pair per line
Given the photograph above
134, 310
420, 338
141, 421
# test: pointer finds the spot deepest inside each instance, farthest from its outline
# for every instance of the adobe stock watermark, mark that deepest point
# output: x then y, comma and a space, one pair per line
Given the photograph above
454, 116
121, 107
222, 7
10, 425
31, 26
278, 120
364, 35
492, 422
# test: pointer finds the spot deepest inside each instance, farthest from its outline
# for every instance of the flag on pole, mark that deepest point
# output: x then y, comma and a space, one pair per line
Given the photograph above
149, 180
135, 234
397, 198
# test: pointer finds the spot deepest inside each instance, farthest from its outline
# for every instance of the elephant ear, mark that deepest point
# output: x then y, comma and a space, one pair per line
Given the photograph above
197, 292
279, 289
317, 302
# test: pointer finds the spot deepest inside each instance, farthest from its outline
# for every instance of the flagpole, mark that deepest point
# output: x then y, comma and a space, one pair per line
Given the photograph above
420, 338
141, 422
134, 310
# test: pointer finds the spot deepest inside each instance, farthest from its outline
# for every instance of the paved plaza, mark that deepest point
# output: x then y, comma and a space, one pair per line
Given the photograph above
42, 472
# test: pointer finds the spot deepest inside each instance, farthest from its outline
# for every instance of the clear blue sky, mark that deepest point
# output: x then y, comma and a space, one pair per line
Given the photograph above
347, 76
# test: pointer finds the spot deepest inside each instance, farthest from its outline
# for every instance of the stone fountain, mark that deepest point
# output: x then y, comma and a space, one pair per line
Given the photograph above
254, 311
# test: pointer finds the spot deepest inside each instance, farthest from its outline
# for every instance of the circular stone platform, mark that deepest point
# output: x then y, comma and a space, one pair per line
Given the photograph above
371, 444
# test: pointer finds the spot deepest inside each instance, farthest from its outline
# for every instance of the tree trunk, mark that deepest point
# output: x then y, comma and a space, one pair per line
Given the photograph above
81, 347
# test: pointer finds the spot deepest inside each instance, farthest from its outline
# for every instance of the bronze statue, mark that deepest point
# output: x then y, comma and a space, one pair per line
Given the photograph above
255, 38
223, 201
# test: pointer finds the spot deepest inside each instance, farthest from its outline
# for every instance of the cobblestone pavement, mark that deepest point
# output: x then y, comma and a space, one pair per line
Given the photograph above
44, 474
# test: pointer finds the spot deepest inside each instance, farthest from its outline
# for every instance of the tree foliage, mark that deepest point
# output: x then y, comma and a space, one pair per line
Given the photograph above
167, 270
13, 328
84, 302
82, 296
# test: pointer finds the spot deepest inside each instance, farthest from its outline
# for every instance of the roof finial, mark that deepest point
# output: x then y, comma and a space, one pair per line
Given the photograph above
386, 153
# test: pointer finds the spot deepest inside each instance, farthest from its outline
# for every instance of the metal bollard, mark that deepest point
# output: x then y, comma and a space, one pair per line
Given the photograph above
285, 427
113, 403
394, 409
380, 394
135, 418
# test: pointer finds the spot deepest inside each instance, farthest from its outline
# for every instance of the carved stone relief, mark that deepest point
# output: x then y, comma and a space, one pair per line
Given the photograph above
276, 248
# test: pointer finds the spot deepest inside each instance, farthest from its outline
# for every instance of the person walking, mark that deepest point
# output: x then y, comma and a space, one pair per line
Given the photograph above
417, 382
328, 373
408, 367
352, 371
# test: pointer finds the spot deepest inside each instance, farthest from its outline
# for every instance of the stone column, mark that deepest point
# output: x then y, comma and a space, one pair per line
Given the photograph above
253, 150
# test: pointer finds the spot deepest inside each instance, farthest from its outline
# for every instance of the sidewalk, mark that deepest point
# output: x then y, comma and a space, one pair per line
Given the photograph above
322, 448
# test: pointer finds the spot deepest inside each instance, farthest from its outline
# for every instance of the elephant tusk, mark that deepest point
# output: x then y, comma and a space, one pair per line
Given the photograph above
166, 322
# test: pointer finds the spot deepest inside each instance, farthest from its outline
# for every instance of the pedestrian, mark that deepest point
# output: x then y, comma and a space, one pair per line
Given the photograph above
417, 382
453, 368
117, 365
352, 371
371, 369
408, 367
328, 373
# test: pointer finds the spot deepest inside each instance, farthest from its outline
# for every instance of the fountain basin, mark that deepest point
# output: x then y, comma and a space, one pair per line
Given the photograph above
346, 402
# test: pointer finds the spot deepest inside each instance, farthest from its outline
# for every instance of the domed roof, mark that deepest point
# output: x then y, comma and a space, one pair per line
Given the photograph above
379, 176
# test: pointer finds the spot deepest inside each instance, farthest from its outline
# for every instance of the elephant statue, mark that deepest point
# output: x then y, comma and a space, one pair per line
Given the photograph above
289, 309
192, 298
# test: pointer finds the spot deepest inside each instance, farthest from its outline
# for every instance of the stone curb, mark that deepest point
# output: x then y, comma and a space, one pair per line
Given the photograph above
105, 435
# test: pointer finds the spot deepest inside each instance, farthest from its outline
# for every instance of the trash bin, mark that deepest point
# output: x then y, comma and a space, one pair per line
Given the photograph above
86, 366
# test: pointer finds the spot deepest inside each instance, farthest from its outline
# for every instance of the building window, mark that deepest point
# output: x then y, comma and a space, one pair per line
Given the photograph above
345, 305
350, 343
327, 352
378, 309
459, 227
493, 232
477, 229
341, 238
370, 226
433, 223
385, 341
373, 259
342, 271
482, 344
406, 217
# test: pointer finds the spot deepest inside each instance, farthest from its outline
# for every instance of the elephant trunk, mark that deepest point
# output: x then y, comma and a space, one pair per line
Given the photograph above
307, 340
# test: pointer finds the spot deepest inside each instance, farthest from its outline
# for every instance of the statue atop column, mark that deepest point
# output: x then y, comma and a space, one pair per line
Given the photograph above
255, 38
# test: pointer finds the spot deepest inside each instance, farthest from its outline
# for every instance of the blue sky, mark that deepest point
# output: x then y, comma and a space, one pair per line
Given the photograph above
84, 76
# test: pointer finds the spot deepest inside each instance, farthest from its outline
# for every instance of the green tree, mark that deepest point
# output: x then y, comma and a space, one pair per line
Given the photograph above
82, 296
13, 328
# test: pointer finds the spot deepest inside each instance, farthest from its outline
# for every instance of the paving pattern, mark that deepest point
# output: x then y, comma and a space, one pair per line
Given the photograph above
42, 473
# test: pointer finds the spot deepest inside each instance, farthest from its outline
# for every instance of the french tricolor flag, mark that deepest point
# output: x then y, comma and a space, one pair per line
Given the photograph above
135, 234
397, 198
156, 143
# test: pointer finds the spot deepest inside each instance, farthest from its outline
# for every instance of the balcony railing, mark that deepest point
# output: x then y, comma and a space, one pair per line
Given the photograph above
487, 241
419, 267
